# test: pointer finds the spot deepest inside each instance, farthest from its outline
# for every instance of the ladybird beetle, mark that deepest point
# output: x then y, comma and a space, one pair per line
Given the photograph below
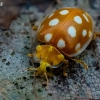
66, 33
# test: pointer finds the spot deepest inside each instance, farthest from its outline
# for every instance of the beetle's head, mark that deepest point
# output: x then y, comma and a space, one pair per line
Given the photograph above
43, 68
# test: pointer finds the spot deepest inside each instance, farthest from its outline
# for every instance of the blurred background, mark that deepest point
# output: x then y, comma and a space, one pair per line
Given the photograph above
18, 22
11, 9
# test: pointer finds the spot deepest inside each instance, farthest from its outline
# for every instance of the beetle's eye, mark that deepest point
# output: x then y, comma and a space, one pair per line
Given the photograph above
48, 69
37, 64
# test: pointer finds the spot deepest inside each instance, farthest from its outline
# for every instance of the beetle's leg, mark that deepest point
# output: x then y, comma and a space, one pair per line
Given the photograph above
95, 35
30, 55
65, 67
34, 27
81, 62
32, 69
46, 78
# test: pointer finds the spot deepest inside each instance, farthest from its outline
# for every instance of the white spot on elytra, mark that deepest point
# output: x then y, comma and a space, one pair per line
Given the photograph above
64, 12
50, 15
61, 43
78, 19
77, 46
48, 37
72, 31
84, 33
54, 22
86, 17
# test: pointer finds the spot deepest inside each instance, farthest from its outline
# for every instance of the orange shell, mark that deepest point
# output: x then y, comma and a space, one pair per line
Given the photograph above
70, 30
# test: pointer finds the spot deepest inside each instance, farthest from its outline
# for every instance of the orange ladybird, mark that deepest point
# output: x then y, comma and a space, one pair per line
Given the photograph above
66, 33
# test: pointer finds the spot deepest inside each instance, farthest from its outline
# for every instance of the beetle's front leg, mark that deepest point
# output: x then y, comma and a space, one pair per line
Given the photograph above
30, 55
